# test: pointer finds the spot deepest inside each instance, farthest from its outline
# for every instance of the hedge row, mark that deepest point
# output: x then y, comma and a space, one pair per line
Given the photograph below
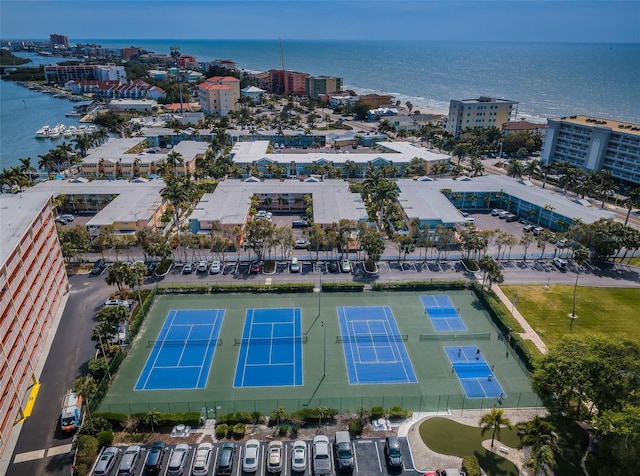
343, 287
165, 420
420, 285
237, 288
506, 324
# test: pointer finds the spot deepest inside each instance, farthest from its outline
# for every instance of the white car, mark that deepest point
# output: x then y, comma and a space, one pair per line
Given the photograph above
274, 456
251, 456
178, 459
299, 456
560, 263
301, 244
345, 266
215, 267
202, 459
187, 268
203, 266
294, 267
117, 302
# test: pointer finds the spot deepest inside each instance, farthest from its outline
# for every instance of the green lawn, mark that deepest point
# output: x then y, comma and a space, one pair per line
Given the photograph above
446, 436
600, 310
452, 438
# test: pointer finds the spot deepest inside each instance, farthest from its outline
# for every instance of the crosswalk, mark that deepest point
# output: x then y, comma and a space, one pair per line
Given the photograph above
39, 454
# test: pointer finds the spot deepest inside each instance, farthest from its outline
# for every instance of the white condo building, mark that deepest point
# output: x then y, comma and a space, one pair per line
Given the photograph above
483, 112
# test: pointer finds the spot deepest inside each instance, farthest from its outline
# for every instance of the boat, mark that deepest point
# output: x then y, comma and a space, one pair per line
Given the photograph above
43, 132
57, 131
72, 114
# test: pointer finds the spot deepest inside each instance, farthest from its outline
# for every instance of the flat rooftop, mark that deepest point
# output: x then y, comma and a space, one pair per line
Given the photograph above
589, 121
231, 201
115, 149
17, 214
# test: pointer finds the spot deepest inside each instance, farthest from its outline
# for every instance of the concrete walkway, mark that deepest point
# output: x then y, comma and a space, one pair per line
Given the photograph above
528, 333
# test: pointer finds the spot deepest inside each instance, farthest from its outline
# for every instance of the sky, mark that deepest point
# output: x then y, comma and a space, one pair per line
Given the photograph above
596, 21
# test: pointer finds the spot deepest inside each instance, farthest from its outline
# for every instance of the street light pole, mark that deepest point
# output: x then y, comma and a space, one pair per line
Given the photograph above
324, 336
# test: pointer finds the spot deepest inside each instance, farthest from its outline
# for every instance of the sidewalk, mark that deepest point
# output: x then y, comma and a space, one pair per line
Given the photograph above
528, 333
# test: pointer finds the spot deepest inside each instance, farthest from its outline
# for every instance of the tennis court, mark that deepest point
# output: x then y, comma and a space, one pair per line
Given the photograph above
182, 354
270, 349
442, 313
374, 350
475, 375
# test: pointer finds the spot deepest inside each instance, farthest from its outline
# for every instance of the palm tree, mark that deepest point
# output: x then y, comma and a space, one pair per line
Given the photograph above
514, 169
118, 274
175, 160
153, 418
385, 193
87, 387
541, 437
581, 257
494, 422
135, 277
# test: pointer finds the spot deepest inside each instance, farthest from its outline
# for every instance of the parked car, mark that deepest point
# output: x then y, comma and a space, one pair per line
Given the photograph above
392, 452
106, 461
60, 220
528, 227
560, 263
187, 268
537, 230
178, 460
294, 267
496, 211
98, 266
129, 461
225, 463
117, 302
345, 266
343, 451
511, 217
255, 268
251, 456
299, 456
503, 214
333, 267
153, 463
151, 268
321, 456
202, 459
68, 217
299, 223
274, 456
202, 267
301, 244
215, 267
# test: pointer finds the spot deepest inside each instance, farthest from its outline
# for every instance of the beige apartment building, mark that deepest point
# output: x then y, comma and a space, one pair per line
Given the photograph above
33, 281
219, 95
483, 112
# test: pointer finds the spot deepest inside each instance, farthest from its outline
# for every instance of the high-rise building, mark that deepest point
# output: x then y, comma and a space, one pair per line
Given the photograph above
318, 85
288, 82
54, 74
59, 41
33, 281
591, 143
483, 112
219, 95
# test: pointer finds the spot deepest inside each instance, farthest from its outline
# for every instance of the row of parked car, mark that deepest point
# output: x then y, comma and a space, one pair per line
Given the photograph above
129, 461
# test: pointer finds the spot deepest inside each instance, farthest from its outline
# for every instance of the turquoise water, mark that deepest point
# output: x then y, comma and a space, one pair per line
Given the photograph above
547, 79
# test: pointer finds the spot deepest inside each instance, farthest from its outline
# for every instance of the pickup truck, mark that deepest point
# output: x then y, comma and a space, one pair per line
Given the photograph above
321, 456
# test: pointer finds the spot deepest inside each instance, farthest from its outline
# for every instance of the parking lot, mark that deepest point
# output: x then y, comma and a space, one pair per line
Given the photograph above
368, 453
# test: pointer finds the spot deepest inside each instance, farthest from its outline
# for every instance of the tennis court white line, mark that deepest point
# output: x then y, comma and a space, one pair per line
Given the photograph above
208, 348
178, 367
397, 354
164, 338
246, 354
271, 365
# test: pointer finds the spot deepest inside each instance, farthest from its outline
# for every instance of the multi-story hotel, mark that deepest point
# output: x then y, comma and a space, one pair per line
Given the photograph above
54, 74
287, 82
321, 85
33, 281
483, 112
219, 95
591, 143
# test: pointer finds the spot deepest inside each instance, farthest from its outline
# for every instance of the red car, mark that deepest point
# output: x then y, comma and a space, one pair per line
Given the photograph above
255, 268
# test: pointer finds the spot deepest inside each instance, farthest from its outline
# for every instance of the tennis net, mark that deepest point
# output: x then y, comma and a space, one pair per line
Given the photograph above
184, 342
465, 336
271, 340
367, 338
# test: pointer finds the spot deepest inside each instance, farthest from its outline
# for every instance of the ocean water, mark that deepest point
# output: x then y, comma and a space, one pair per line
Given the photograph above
547, 79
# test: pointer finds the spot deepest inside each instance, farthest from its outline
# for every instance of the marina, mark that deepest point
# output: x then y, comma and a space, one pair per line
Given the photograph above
61, 130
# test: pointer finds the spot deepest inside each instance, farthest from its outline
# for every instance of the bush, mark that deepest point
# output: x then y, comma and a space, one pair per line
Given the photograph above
257, 417
116, 420
420, 285
399, 413
355, 426
235, 417
87, 452
471, 264
169, 420
343, 287
283, 430
222, 430
94, 425
312, 415
471, 466
239, 430
377, 412
105, 438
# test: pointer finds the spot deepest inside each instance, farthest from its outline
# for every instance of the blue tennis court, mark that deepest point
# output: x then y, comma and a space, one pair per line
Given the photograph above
181, 356
475, 375
442, 313
270, 349
374, 350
